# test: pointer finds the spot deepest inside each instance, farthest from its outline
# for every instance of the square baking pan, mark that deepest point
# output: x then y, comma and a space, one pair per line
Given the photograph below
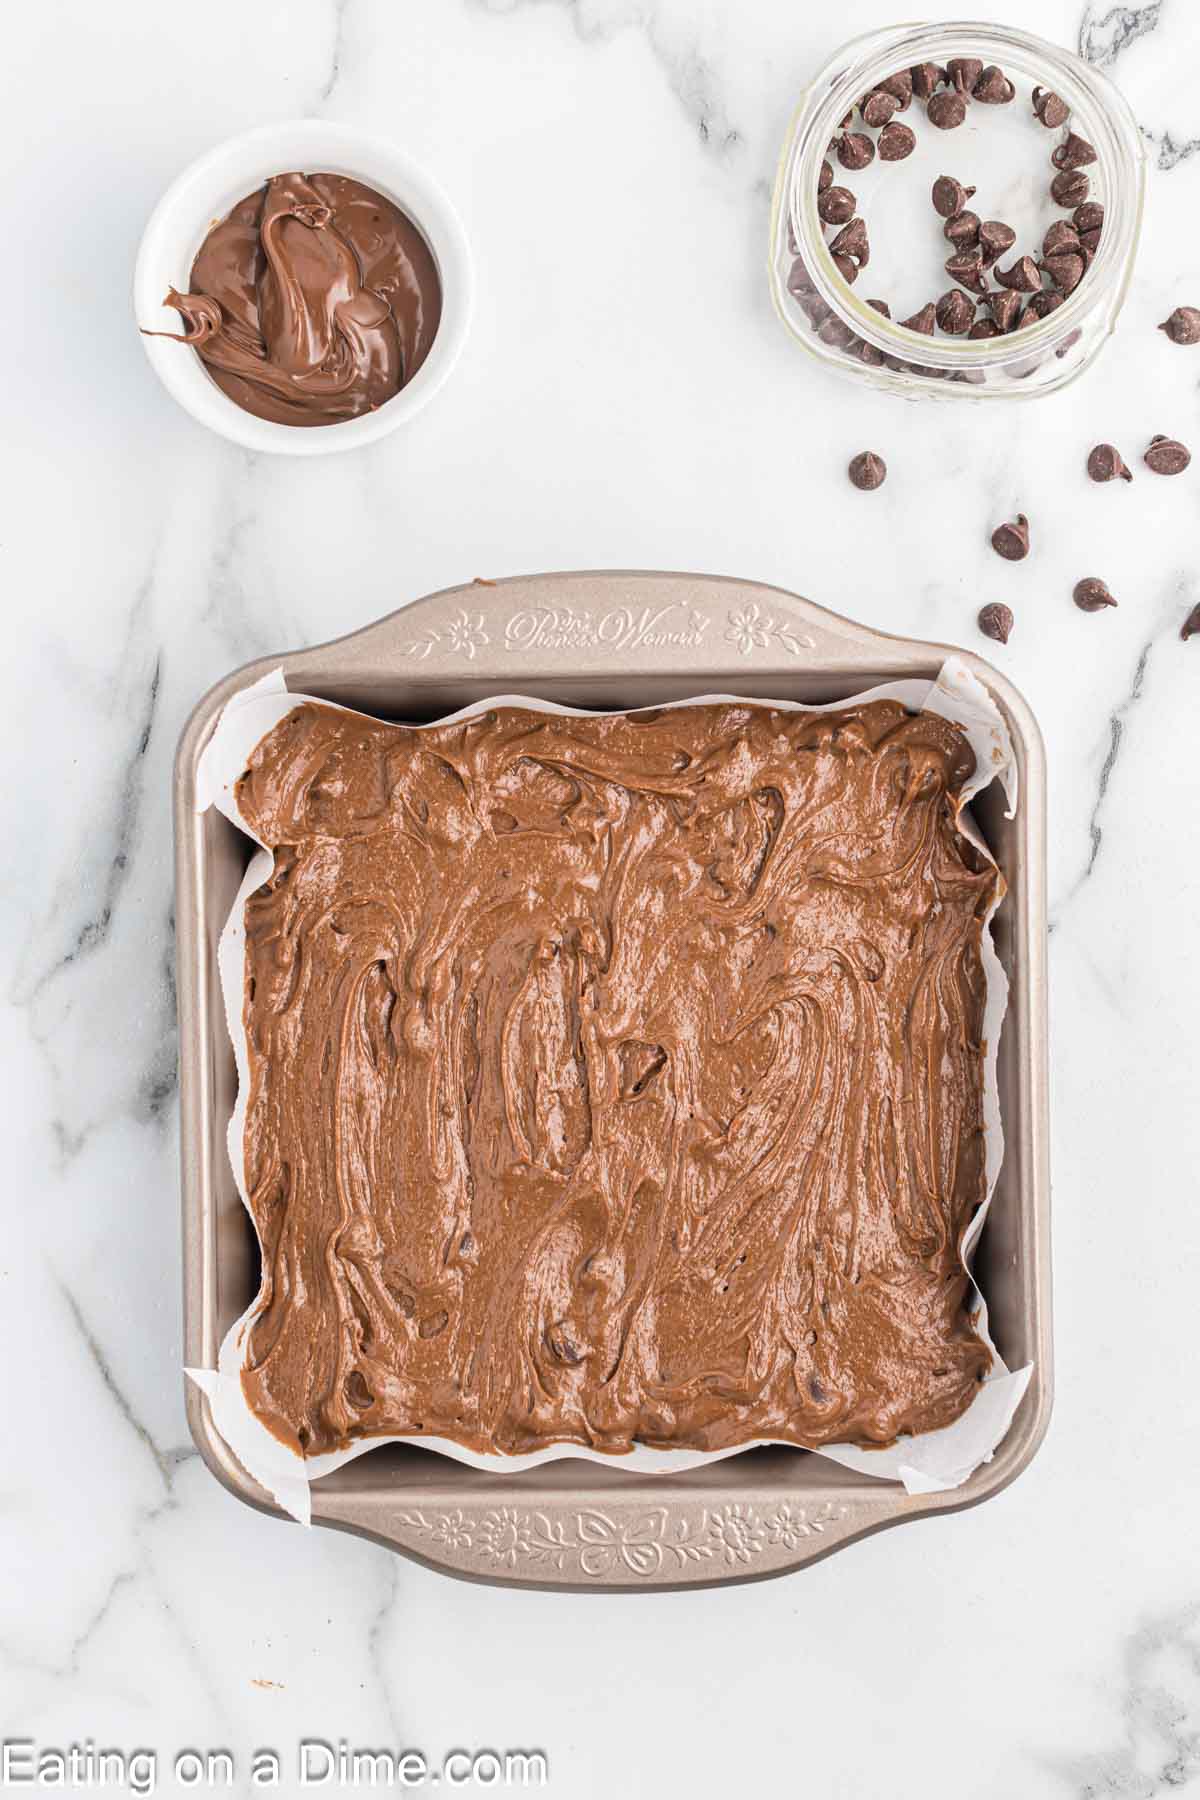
609, 641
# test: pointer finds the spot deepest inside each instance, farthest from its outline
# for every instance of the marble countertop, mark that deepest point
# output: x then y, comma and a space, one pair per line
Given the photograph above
626, 398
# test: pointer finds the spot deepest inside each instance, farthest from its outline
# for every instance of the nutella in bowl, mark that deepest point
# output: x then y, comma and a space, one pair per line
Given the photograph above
303, 275
315, 300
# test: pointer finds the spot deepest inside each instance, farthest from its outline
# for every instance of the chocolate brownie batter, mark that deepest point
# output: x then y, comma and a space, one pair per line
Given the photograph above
315, 300
614, 1080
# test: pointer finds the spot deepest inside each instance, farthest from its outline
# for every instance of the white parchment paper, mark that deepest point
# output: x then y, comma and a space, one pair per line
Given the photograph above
930, 1463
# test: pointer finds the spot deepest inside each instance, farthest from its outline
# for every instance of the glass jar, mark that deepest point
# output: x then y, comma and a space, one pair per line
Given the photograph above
832, 318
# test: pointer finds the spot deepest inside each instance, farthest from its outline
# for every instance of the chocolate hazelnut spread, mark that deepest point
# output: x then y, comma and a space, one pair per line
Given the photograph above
615, 1079
315, 300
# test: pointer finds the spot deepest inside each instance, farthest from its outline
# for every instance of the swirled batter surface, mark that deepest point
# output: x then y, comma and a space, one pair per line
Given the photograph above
614, 1079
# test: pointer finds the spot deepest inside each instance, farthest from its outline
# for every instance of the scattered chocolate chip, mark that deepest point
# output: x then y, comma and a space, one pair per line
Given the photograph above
799, 280
1092, 595
966, 267
900, 87
1024, 276
1183, 326
962, 230
946, 109
1088, 217
896, 141
1011, 541
926, 79
836, 205
878, 109
993, 87
922, 321
1066, 272
1040, 306
985, 328
1070, 188
855, 150
1062, 239
867, 471
996, 622
825, 178
1073, 153
852, 241
995, 238
845, 265
1191, 625
949, 196
1005, 307
1105, 463
1050, 108
963, 72
955, 313
1166, 456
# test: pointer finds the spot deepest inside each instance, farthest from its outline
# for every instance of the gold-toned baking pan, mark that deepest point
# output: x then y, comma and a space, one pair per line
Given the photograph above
612, 640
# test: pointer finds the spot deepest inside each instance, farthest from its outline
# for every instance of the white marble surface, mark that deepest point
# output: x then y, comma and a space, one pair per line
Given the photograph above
626, 398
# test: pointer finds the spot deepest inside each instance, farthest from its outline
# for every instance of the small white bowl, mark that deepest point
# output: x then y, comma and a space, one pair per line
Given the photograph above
206, 191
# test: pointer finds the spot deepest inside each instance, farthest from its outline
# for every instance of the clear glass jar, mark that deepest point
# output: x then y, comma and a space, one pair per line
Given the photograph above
831, 318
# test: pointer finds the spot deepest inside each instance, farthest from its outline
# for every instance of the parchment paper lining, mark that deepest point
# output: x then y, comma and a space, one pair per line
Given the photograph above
930, 1463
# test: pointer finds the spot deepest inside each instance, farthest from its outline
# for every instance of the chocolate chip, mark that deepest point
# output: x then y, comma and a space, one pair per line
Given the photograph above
1070, 188
963, 72
922, 321
1011, 541
955, 313
1040, 306
896, 141
926, 79
825, 178
1062, 239
949, 196
993, 87
1191, 625
815, 310
1089, 243
1050, 108
1105, 463
1183, 326
1166, 456
852, 241
836, 205
867, 471
799, 280
878, 109
946, 110
836, 332
1066, 272
962, 230
1073, 153
985, 328
1092, 595
845, 265
900, 87
995, 239
1088, 217
1024, 276
996, 622
966, 267
855, 150
1004, 307
881, 307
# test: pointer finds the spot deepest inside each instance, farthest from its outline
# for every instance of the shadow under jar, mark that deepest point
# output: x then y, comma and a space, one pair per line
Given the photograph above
1002, 150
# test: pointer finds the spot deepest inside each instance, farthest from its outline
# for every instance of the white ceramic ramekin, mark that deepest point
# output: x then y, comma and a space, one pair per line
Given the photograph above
207, 190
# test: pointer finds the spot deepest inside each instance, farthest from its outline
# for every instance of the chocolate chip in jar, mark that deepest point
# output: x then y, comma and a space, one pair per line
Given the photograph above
799, 280
955, 313
993, 87
1183, 326
996, 622
1070, 187
927, 78
1073, 153
946, 109
845, 265
835, 331
962, 230
878, 109
1066, 272
984, 328
1166, 456
1011, 540
1105, 463
923, 321
1191, 625
966, 267
836, 206
1038, 307
852, 241
949, 196
996, 239
900, 87
896, 141
825, 177
1088, 217
855, 150
1023, 276
1092, 595
1049, 108
867, 471
1005, 308
962, 72
1061, 239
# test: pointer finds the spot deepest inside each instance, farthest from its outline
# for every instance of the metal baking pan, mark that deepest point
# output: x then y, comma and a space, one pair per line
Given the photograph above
611, 640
